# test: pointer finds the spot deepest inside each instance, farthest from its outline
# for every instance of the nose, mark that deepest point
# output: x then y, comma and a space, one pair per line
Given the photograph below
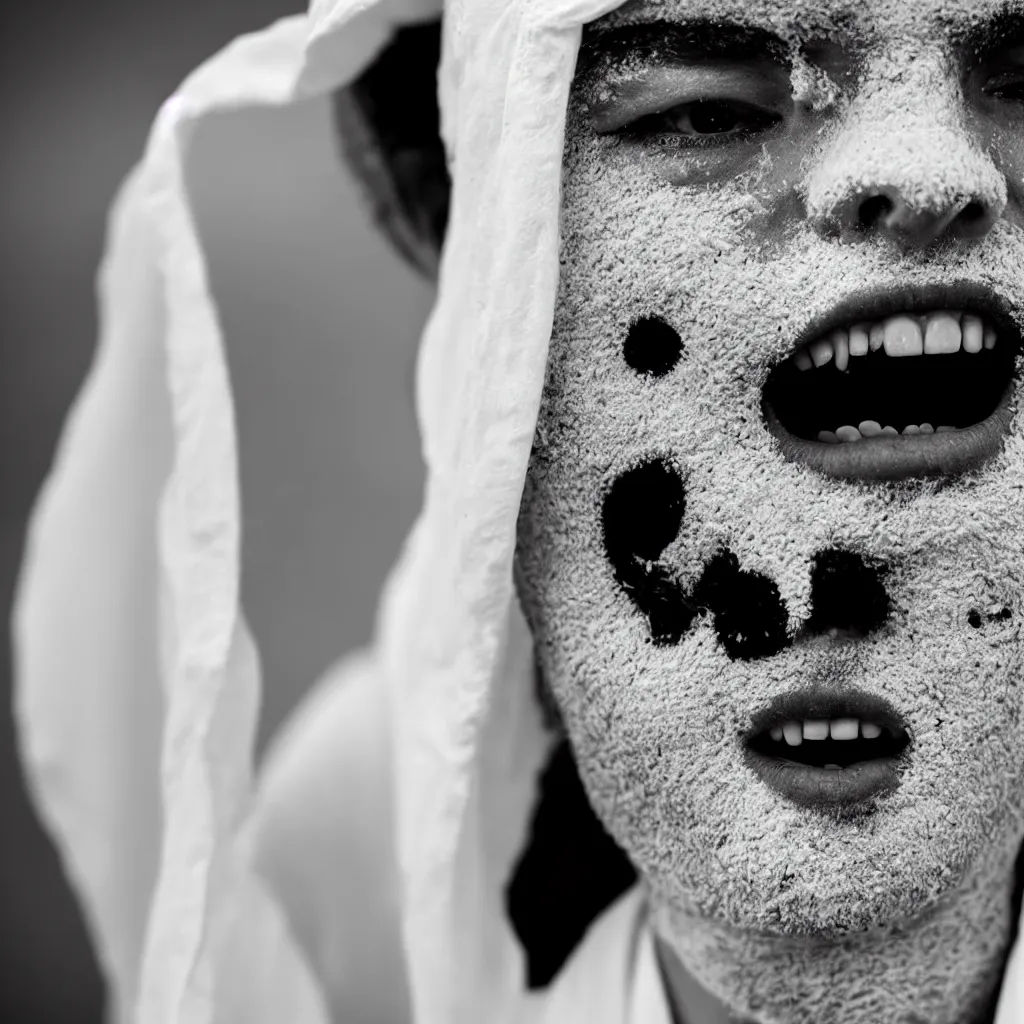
884, 208
904, 166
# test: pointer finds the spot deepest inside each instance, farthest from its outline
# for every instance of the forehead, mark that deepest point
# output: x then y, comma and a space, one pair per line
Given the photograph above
805, 20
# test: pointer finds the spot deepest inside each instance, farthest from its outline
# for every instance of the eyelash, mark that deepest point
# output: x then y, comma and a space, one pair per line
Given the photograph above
1008, 86
655, 128
1013, 92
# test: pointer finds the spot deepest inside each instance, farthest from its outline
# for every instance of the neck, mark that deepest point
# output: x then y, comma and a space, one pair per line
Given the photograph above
944, 967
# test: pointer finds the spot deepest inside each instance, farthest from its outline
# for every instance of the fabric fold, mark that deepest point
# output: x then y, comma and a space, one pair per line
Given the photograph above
138, 726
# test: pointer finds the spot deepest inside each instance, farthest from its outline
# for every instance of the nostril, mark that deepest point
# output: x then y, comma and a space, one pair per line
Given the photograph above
873, 211
888, 214
974, 220
973, 212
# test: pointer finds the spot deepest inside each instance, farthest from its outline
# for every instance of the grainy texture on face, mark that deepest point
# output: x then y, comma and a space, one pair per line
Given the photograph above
669, 553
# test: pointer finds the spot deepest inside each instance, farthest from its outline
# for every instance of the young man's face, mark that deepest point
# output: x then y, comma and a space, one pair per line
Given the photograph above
793, 252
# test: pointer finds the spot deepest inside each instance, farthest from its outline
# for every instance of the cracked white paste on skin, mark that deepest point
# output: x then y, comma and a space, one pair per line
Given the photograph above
753, 894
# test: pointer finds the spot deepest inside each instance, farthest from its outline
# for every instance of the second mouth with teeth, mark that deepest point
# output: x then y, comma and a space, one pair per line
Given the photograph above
828, 749
907, 374
839, 743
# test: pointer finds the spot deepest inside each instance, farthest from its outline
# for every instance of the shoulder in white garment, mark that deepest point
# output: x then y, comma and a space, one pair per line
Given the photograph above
648, 1002
323, 842
612, 977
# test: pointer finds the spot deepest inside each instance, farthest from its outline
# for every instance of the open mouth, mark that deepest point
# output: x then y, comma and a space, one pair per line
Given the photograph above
828, 750
898, 386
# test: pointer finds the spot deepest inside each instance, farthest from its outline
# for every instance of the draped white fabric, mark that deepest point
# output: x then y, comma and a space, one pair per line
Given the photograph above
138, 681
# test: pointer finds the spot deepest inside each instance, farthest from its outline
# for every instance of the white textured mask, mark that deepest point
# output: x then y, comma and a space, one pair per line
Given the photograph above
687, 567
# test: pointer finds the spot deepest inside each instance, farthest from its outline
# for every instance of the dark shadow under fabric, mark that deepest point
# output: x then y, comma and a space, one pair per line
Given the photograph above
388, 127
570, 871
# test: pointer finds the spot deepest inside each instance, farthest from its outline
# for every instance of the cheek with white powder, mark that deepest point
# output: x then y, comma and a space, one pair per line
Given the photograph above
674, 565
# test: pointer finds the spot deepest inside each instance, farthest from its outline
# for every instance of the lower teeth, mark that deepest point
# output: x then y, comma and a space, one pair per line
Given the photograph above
871, 428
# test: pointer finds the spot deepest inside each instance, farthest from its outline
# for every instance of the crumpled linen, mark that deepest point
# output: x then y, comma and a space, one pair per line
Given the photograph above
137, 728
137, 679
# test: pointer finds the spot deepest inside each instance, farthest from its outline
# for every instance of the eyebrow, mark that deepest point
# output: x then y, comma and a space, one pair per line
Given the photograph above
1003, 29
672, 41
707, 40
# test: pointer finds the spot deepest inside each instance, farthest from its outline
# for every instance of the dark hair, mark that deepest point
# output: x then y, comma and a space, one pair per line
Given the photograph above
388, 126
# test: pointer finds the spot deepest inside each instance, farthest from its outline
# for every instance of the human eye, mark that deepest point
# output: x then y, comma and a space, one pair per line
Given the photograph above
692, 107
1008, 87
703, 122
1000, 76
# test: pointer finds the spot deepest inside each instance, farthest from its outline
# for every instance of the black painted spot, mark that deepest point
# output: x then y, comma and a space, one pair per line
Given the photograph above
570, 870
847, 592
652, 346
643, 512
749, 614
641, 516
666, 606
974, 617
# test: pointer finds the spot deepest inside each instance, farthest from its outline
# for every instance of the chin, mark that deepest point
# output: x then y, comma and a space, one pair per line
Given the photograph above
721, 833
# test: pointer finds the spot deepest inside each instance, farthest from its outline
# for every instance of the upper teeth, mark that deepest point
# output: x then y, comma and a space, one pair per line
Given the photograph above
938, 333
821, 729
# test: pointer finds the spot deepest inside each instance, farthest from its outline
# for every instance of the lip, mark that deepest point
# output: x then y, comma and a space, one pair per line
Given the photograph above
879, 303
825, 789
905, 457
825, 702
901, 458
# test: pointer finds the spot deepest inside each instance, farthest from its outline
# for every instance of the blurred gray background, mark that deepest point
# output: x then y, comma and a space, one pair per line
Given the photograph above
321, 361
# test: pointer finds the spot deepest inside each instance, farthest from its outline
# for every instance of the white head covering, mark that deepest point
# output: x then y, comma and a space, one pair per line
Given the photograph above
132, 572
